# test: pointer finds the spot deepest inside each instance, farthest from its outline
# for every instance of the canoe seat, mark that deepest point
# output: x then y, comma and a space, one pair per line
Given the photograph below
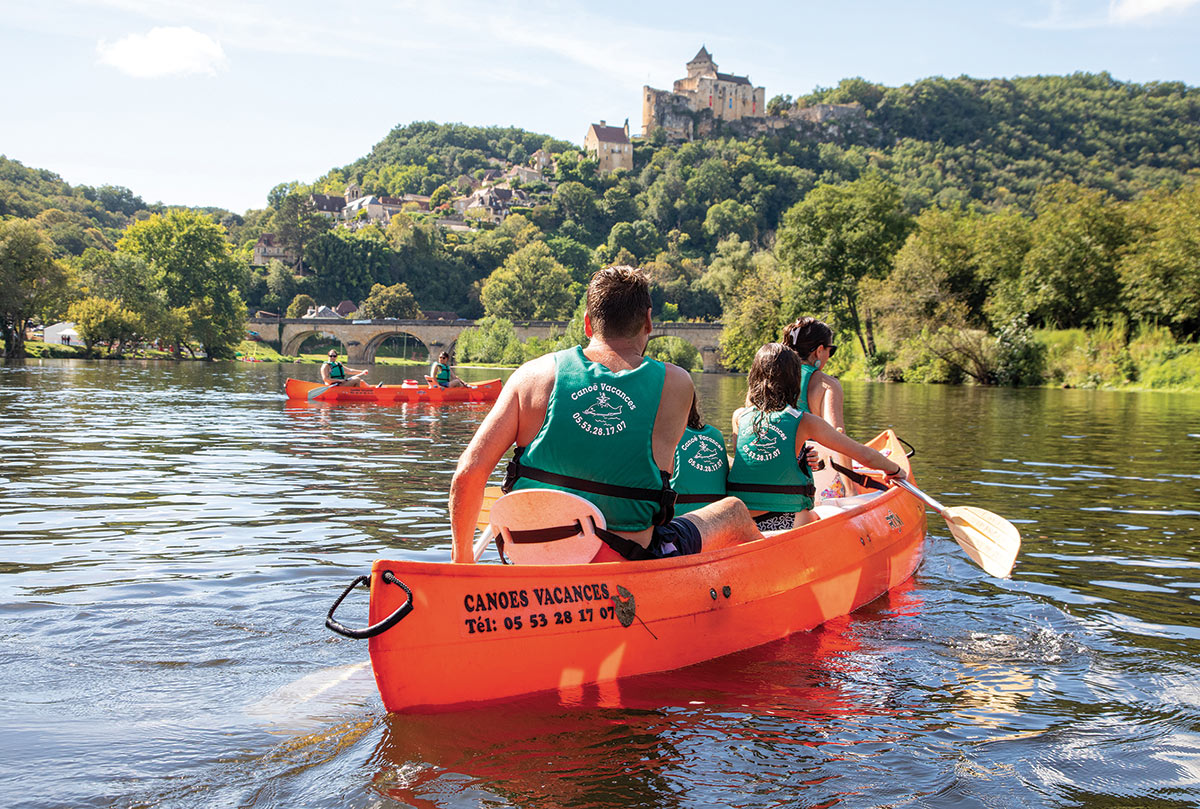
546, 527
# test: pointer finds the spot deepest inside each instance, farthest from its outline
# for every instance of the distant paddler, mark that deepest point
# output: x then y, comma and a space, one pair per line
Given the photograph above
443, 375
334, 373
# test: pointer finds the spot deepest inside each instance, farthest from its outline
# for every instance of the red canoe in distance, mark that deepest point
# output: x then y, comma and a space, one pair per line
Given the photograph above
392, 394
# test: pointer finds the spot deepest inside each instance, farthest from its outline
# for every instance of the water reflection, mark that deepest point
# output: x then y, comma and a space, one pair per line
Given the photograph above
171, 536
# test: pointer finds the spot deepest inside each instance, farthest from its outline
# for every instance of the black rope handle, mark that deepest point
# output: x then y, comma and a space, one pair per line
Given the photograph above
375, 629
911, 449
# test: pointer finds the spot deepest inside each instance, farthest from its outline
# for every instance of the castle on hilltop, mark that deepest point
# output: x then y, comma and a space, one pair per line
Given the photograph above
707, 98
724, 96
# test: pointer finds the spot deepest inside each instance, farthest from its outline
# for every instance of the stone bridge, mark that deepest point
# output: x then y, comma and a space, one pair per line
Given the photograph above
362, 338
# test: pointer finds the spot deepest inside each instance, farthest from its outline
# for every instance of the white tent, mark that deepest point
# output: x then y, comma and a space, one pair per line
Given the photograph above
61, 334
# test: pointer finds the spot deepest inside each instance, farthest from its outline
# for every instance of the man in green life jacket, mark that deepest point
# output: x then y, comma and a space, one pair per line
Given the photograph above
334, 373
603, 423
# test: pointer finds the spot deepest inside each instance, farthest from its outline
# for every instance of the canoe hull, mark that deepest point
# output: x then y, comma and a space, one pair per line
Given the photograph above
484, 632
392, 394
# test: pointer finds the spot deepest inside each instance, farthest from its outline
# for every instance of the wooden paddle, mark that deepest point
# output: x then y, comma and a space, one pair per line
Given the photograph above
988, 539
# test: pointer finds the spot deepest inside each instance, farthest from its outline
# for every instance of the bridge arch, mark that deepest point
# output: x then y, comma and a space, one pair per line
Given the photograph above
362, 338
370, 350
296, 342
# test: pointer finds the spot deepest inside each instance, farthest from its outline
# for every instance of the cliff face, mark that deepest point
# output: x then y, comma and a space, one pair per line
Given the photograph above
674, 113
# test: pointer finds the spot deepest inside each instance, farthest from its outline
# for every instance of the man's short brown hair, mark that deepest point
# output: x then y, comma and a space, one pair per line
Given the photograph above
617, 300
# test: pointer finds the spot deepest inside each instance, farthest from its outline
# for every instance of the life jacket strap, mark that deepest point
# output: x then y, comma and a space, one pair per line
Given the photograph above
665, 497
698, 498
627, 548
807, 490
862, 480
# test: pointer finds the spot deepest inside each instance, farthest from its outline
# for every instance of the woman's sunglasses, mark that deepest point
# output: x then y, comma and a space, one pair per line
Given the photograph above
832, 350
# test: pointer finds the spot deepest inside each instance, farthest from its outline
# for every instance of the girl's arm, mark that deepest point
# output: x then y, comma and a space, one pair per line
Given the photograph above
821, 431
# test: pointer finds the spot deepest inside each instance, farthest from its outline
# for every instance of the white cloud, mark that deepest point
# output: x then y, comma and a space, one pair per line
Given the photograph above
1122, 11
163, 52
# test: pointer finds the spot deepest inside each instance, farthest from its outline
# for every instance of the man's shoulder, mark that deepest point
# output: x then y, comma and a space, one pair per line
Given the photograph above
535, 370
677, 377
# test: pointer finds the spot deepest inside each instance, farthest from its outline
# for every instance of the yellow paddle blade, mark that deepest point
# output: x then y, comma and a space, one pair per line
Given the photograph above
990, 540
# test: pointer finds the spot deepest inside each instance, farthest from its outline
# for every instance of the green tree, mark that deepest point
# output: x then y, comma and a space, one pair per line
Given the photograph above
297, 223
756, 317
575, 202
640, 238
393, 301
833, 239
491, 339
676, 351
101, 320
1161, 272
730, 218
194, 264
300, 305
344, 263
575, 256
32, 283
530, 285
1069, 276
281, 286
733, 261
440, 196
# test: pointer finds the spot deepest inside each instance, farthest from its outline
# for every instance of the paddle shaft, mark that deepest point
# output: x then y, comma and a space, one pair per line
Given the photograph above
920, 495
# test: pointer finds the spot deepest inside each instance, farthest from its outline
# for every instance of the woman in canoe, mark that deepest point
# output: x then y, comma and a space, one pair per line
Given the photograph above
820, 393
766, 475
701, 464
442, 374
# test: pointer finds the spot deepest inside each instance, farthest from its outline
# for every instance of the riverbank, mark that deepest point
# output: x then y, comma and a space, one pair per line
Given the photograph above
1104, 358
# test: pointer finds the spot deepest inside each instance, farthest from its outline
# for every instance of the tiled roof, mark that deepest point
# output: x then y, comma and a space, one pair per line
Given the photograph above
702, 55
733, 79
324, 202
610, 134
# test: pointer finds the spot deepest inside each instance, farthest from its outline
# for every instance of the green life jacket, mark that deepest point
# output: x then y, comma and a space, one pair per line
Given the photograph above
596, 442
765, 474
443, 375
700, 469
336, 370
806, 375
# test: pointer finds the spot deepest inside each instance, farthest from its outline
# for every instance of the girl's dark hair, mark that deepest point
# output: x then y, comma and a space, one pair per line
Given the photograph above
695, 420
774, 378
806, 335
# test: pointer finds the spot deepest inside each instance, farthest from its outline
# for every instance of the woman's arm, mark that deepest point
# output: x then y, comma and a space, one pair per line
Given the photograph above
821, 431
830, 407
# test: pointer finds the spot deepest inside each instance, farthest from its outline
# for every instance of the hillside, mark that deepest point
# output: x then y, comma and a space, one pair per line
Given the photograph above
984, 205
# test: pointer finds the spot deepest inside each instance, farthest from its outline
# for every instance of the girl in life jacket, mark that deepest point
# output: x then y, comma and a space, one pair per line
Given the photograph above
820, 393
701, 464
766, 475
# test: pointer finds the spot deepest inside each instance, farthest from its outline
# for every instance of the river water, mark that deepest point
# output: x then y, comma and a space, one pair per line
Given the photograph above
171, 537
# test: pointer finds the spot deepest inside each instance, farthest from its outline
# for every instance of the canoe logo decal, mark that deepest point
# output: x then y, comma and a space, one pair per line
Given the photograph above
765, 446
601, 409
626, 606
895, 522
703, 453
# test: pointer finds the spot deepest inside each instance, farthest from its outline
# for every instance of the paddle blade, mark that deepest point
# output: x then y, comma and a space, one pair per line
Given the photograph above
990, 540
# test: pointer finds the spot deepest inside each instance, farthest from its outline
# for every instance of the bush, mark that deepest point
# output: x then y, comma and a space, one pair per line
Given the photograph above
493, 339
1180, 371
1020, 358
677, 351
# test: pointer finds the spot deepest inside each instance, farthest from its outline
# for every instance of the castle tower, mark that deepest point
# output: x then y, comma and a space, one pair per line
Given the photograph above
701, 64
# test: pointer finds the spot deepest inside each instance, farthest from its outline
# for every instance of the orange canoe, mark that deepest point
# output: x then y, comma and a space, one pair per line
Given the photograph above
450, 633
392, 394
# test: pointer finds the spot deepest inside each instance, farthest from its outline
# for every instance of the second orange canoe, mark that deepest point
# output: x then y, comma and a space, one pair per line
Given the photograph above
392, 394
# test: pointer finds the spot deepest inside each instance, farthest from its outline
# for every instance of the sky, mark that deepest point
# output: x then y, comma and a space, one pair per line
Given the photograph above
214, 102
